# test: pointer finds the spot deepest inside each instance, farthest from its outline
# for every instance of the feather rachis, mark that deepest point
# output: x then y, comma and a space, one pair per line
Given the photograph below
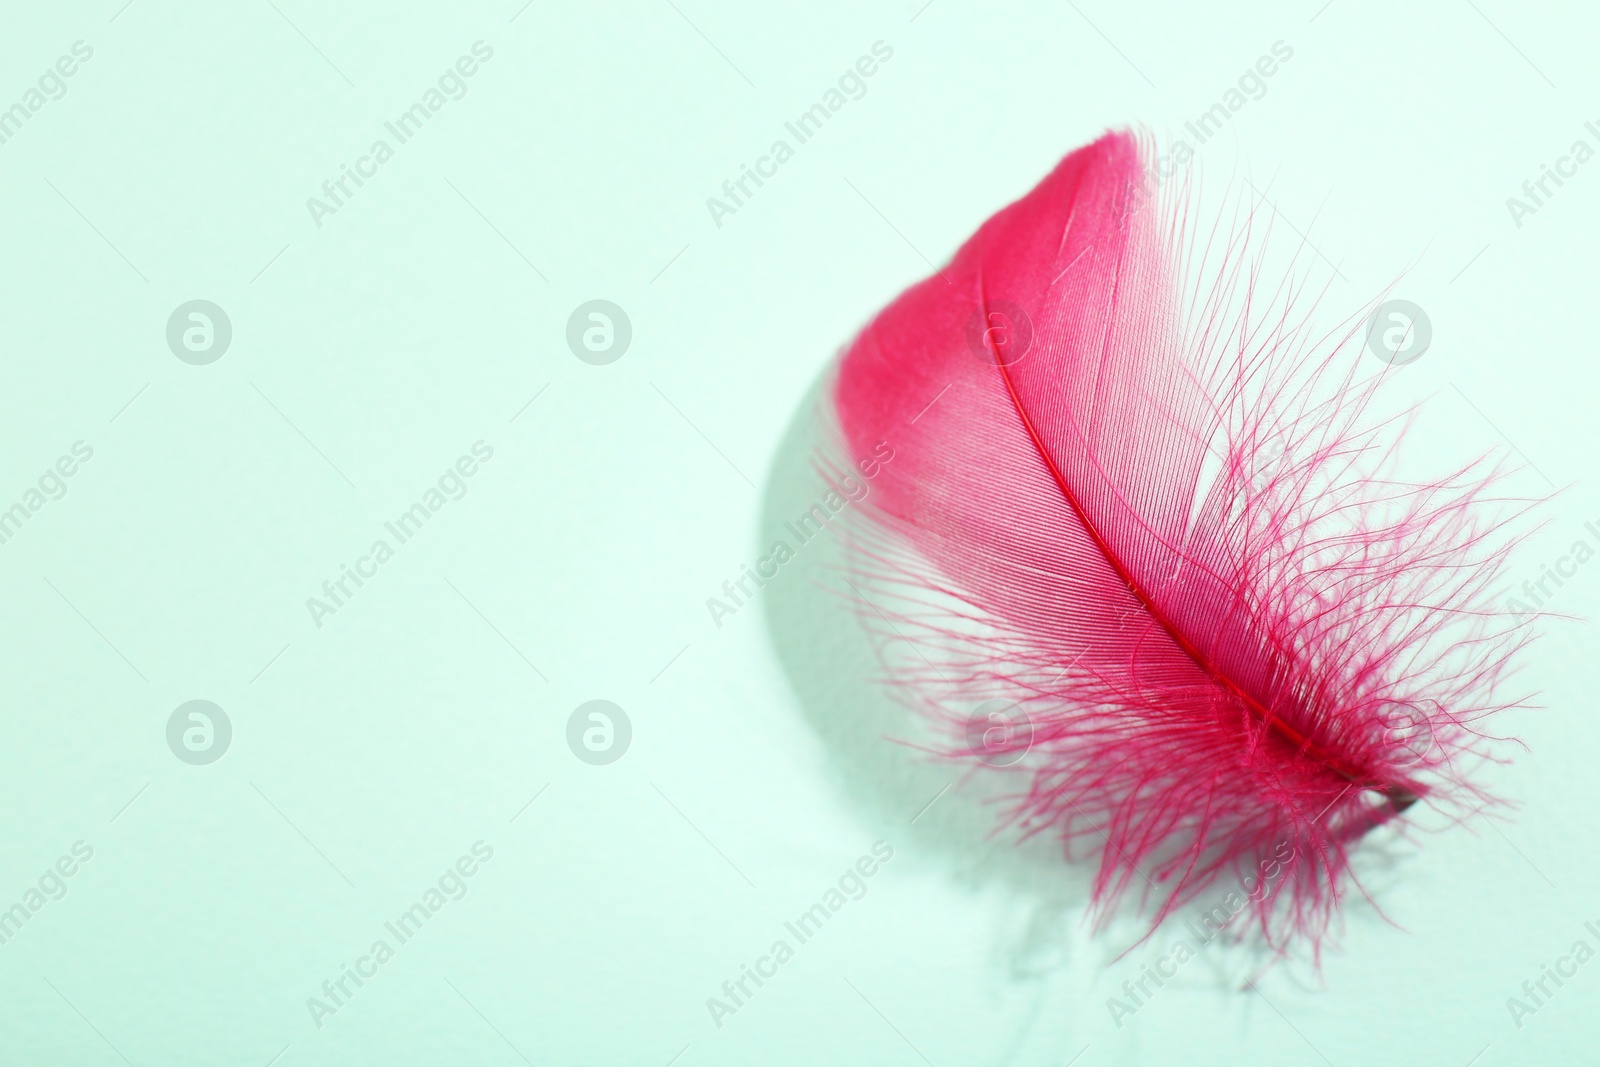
1211, 657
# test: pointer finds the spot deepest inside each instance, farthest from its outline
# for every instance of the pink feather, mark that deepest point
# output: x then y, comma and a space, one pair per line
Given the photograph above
1217, 655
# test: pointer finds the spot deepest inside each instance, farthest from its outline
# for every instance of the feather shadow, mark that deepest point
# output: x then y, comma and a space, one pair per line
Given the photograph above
832, 662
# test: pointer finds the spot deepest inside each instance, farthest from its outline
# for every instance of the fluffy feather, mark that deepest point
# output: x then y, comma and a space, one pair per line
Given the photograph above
1132, 495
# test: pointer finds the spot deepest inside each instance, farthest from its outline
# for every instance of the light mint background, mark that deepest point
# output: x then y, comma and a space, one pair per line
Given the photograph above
430, 313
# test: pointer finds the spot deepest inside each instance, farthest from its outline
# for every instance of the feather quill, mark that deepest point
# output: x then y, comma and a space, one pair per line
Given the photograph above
1134, 498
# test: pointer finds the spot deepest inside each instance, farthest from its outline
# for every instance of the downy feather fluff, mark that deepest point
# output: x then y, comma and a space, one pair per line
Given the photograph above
1136, 497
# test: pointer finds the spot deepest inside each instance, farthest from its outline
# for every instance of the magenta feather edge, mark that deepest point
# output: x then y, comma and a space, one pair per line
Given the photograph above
1137, 498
